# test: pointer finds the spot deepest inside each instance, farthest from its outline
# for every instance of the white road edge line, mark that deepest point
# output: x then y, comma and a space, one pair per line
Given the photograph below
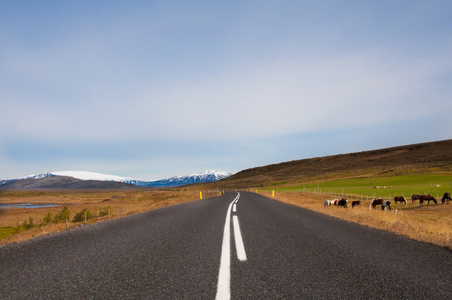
239, 247
224, 275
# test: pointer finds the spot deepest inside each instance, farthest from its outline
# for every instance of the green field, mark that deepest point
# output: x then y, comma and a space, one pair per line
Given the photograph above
396, 185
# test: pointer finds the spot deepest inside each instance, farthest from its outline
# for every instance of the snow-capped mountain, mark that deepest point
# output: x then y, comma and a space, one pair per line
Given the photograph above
207, 176
37, 176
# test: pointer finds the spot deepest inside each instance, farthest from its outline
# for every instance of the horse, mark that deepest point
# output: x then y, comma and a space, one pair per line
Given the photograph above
356, 203
414, 197
427, 198
446, 197
343, 202
385, 204
328, 203
399, 199
376, 202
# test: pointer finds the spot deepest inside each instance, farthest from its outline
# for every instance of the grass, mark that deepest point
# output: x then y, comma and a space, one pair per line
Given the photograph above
103, 205
432, 224
394, 185
8, 231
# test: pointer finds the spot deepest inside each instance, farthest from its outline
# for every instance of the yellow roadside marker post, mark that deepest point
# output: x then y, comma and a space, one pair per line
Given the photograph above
200, 195
273, 193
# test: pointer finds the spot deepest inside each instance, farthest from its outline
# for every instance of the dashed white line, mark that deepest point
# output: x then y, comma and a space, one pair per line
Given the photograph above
234, 208
239, 247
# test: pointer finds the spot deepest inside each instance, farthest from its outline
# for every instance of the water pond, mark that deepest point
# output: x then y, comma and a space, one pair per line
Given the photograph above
26, 205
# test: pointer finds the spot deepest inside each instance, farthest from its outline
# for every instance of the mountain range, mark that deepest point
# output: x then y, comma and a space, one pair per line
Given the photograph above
87, 180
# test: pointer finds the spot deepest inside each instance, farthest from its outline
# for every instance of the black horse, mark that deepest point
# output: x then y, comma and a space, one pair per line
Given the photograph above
343, 203
446, 197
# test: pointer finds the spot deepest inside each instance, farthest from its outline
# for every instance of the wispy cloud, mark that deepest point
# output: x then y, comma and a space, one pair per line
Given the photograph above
192, 86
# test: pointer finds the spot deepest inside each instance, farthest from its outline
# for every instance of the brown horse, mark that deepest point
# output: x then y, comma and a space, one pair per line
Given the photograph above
427, 198
399, 199
376, 202
415, 197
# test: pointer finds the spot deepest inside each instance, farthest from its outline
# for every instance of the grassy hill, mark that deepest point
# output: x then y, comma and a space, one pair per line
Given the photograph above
425, 158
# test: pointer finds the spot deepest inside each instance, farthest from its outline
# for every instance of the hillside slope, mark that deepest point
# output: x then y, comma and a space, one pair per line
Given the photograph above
425, 158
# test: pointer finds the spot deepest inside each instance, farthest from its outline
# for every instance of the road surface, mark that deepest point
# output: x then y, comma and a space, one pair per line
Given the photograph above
236, 246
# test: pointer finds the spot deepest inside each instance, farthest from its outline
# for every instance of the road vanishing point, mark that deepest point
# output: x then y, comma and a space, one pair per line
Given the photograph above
239, 245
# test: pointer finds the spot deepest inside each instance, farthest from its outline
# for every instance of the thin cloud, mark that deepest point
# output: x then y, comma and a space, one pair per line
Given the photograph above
228, 85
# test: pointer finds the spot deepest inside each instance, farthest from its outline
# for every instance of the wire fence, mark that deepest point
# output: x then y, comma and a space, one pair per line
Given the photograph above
349, 196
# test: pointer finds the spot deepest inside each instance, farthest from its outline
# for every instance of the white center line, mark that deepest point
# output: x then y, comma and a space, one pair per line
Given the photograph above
234, 208
224, 275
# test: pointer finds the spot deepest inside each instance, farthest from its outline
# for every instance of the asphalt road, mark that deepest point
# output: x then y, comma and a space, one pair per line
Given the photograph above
238, 246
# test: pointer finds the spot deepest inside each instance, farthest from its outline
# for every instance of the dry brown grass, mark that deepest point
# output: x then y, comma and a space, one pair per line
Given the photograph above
431, 224
120, 203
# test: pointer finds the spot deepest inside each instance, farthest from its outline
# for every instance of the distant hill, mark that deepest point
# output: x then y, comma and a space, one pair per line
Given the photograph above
425, 158
62, 182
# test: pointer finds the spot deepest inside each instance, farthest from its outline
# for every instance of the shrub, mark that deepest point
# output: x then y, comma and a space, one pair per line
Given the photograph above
48, 218
62, 215
29, 225
104, 212
80, 216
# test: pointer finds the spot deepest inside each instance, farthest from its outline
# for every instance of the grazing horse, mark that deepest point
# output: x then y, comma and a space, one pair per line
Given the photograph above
356, 203
446, 197
376, 202
415, 197
399, 199
329, 202
343, 202
385, 204
427, 198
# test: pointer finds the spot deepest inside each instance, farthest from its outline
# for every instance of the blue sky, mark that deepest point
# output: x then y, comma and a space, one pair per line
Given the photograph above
152, 89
